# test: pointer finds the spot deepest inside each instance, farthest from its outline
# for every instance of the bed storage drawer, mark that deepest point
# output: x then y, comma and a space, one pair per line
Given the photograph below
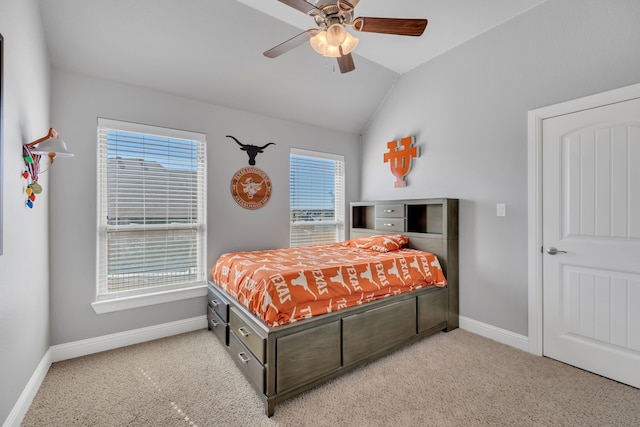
432, 309
217, 325
217, 301
390, 224
390, 211
307, 355
248, 335
247, 362
367, 333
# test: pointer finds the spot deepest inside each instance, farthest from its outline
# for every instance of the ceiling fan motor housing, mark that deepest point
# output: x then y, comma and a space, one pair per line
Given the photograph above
329, 14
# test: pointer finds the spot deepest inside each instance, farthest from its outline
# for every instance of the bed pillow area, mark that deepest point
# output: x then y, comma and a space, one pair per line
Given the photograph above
384, 243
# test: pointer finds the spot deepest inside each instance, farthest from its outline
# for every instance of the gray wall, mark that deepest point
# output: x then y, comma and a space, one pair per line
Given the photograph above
77, 101
468, 112
24, 267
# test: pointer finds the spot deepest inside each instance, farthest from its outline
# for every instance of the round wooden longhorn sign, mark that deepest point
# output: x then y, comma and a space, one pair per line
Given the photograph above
251, 188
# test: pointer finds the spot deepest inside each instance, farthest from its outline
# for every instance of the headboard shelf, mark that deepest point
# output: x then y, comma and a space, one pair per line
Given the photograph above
429, 216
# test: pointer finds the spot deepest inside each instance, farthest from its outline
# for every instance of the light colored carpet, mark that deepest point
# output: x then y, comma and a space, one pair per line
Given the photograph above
449, 379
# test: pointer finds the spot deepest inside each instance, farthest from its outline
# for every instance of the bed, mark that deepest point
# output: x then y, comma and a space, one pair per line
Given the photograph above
295, 318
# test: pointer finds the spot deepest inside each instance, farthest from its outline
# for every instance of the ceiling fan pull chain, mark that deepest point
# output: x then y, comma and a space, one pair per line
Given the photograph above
330, 65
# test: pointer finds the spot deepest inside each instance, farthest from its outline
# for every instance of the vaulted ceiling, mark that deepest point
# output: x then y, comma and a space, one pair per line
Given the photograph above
211, 50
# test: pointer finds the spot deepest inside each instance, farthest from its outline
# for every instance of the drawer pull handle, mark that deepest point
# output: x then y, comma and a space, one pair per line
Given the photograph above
215, 303
214, 323
387, 210
388, 225
243, 331
243, 357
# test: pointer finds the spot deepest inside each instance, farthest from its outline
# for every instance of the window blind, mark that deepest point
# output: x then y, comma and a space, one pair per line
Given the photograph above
151, 209
316, 195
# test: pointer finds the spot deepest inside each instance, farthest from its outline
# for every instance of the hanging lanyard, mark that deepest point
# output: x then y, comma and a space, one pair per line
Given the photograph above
32, 161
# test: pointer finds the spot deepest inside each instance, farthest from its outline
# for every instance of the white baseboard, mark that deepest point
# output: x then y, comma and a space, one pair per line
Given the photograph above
122, 339
503, 336
24, 401
60, 352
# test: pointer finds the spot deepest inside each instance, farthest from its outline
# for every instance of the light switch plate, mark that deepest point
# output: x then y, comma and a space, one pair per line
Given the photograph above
501, 209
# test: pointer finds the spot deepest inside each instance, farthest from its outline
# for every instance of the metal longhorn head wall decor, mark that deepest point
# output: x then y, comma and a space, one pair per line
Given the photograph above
399, 157
252, 150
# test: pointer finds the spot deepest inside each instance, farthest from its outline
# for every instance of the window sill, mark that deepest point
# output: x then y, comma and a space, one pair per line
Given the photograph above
119, 304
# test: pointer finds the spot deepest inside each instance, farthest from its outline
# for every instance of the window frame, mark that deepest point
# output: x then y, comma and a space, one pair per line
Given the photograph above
339, 196
107, 302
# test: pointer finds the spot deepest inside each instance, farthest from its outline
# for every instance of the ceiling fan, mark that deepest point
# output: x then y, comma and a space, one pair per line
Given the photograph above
332, 39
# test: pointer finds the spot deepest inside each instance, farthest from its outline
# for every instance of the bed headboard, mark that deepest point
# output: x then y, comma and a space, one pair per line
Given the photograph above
430, 224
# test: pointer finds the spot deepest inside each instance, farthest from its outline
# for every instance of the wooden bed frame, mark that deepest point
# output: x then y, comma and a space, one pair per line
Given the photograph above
284, 361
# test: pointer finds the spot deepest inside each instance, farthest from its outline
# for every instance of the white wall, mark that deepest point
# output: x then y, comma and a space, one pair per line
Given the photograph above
24, 266
468, 112
77, 101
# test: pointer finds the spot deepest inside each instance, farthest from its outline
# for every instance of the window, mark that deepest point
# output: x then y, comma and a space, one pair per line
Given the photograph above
316, 198
151, 210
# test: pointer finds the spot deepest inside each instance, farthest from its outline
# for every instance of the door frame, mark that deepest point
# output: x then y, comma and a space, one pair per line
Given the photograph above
534, 190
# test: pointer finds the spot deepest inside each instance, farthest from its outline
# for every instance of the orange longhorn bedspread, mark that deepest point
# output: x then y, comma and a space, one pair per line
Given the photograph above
286, 285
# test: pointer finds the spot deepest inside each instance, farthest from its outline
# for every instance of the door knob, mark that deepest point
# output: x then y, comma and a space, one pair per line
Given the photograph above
553, 251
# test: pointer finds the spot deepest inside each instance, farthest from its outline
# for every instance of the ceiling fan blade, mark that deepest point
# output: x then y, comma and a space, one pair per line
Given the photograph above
398, 26
345, 63
302, 5
292, 43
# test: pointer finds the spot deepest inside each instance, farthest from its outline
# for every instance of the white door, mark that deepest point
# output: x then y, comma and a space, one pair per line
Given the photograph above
591, 211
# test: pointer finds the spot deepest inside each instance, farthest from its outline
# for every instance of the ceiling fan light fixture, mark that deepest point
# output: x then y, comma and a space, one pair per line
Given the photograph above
323, 47
349, 43
319, 44
336, 34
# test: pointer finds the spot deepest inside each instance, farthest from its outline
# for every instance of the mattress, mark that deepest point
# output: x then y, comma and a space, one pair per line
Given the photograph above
281, 286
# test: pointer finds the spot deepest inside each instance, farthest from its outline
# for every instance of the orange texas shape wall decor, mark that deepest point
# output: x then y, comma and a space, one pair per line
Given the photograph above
399, 157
